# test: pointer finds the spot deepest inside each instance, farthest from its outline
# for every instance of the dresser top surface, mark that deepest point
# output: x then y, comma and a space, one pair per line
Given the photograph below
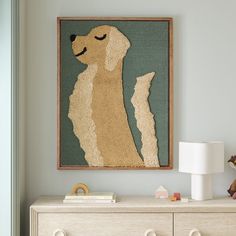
135, 204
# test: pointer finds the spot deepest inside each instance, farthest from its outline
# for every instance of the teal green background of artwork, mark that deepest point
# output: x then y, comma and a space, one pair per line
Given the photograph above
148, 52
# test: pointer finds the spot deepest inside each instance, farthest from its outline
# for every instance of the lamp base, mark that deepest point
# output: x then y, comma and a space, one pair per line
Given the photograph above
201, 187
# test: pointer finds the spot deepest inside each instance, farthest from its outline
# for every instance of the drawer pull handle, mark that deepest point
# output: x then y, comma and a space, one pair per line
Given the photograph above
59, 232
194, 232
150, 232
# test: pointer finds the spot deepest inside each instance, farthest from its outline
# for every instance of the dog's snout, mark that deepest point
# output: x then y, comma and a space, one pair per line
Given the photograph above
72, 37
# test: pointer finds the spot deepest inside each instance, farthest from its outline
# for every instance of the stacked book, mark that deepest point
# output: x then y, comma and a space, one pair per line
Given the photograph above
92, 197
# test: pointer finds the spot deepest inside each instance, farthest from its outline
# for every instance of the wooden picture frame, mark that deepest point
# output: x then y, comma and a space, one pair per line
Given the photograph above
146, 34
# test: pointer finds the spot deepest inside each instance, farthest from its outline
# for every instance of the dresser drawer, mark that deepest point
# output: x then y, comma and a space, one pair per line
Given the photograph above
104, 224
208, 224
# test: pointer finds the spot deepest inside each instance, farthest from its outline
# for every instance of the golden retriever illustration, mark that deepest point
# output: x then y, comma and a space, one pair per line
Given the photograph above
97, 108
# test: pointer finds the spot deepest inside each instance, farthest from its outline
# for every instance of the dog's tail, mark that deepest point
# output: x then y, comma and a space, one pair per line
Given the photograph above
145, 120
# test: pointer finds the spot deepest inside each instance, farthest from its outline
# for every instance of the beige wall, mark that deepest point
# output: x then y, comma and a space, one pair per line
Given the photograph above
205, 82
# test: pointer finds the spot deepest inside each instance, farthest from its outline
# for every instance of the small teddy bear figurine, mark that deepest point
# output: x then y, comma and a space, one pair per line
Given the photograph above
232, 162
232, 188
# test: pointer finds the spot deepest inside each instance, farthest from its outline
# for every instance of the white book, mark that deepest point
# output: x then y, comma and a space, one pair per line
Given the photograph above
90, 201
91, 196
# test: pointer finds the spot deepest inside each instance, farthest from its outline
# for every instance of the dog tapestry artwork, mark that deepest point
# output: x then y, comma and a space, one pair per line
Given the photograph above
115, 93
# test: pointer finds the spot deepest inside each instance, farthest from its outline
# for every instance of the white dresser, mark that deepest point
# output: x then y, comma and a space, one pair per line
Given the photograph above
133, 216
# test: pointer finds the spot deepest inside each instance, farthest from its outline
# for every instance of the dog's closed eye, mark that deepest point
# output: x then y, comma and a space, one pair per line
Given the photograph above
101, 38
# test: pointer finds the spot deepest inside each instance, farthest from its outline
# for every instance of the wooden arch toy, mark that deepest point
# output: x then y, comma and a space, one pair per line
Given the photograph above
80, 186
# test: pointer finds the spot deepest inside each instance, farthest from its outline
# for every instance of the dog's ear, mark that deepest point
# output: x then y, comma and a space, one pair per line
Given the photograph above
116, 48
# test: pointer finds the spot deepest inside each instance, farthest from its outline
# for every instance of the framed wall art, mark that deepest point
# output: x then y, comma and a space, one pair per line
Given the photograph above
115, 93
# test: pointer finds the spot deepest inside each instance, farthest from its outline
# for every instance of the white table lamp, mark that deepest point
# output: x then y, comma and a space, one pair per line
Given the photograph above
201, 160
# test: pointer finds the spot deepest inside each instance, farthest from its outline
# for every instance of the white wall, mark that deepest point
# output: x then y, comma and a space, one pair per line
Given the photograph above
204, 77
5, 118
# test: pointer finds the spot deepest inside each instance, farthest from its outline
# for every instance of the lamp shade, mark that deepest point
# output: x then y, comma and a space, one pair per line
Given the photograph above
201, 157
